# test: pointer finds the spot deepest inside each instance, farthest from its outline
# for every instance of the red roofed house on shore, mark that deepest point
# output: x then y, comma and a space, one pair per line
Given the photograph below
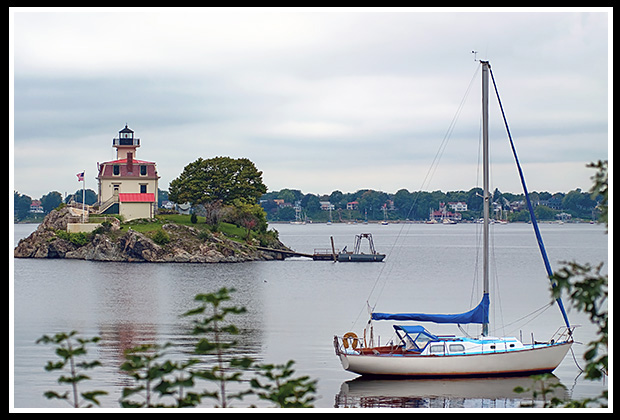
127, 186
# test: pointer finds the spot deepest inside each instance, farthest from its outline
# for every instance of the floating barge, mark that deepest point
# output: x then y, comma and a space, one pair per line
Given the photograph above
345, 256
351, 257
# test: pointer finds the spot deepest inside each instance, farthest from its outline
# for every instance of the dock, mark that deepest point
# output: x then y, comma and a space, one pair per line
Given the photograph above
324, 255
318, 255
284, 253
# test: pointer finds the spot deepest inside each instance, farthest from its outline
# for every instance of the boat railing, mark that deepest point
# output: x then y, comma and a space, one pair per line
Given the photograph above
563, 334
125, 142
352, 345
339, 345
344, 344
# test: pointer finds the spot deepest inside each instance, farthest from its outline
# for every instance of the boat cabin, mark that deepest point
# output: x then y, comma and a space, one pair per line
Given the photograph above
417, 340
414, 337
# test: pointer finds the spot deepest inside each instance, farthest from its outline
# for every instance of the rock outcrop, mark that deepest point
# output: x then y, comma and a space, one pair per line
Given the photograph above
184, 244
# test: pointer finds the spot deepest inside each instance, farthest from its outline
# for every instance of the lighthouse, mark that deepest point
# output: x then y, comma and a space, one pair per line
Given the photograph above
125, 143
127, 186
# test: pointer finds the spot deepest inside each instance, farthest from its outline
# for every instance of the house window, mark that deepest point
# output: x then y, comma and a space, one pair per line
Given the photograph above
142, 189
142, 169
116, 170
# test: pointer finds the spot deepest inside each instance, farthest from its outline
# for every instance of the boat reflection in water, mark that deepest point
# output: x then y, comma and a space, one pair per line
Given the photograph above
445, 393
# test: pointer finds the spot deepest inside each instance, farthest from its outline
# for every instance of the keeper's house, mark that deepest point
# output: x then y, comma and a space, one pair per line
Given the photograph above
127, 186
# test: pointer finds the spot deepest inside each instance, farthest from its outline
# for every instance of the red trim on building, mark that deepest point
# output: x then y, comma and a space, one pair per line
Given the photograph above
136, 197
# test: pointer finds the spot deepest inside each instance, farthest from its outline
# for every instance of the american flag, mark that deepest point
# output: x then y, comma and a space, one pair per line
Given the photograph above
80, 176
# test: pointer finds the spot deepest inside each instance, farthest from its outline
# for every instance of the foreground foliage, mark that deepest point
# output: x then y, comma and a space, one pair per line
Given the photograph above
72, 349
587, 291
160, 382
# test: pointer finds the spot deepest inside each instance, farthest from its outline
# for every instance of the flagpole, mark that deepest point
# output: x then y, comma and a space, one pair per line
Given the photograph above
83, 191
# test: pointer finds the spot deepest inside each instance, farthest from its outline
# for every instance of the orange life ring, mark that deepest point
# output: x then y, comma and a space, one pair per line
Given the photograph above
354, 340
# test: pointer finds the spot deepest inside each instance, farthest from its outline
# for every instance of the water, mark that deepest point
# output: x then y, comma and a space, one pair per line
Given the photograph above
294, 307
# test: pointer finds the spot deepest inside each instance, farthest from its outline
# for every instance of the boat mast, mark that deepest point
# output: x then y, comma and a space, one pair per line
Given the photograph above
485, 181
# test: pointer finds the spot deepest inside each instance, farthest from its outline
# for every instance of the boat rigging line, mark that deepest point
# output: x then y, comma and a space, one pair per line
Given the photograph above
541, 246
425, 184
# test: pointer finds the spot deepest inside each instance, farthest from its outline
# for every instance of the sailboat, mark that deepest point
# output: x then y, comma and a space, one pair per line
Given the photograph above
419, 353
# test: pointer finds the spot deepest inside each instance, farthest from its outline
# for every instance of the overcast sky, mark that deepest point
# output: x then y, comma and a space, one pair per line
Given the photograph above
318, 100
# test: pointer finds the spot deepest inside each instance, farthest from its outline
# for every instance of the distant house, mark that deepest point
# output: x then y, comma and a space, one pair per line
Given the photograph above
517, 205
443, 213
168, 205
554, 203
326, 205
389, 205
440, 215
36, 207
353, 205
281, 203
185, 208
563, 216
458, 206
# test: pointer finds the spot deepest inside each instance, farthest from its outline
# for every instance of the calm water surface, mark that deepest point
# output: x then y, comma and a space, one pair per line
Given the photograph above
294, 307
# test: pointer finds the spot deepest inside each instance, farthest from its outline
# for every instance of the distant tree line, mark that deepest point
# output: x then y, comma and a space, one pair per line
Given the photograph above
223, 185
402, 205
286, 204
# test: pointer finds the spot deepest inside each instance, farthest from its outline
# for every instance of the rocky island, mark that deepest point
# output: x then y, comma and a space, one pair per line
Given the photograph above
113, 241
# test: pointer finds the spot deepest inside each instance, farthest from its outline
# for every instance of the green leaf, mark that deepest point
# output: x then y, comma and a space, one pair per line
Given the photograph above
92, 396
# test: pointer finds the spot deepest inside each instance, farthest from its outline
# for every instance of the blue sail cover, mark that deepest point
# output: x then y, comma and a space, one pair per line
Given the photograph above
478, 315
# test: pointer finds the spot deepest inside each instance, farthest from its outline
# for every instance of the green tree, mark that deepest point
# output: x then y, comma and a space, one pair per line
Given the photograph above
50, 201
311, 203
601, 187
21, 205
157, 378
403, 200
213, 342
373, 202
248, 215
336, 198
424, 202
218, 179
544, 213
281, 389
587, 291
588, 288
474, 199
91, 197
71, 349
287, 195
286, 214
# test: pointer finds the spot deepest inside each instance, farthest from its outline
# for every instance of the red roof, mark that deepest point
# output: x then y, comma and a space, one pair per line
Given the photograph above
106, 169
136, 197
136, 161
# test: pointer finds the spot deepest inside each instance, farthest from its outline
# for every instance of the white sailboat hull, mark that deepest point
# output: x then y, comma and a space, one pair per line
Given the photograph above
539, 359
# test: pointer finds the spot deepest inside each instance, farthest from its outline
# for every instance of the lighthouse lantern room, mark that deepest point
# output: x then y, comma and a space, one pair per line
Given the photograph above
125, 143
